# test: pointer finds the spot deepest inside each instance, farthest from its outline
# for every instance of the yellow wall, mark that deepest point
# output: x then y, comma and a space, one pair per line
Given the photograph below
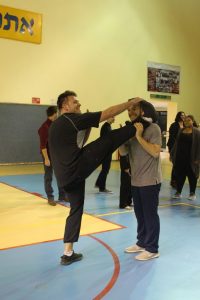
100, 49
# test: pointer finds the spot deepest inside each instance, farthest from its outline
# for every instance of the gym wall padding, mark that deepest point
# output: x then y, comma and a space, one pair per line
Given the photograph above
19, 139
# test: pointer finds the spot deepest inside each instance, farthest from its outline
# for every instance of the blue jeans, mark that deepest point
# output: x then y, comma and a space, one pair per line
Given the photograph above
48, 178
146, 201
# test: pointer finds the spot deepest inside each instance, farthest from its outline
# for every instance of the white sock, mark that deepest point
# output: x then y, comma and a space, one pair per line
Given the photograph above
68, 253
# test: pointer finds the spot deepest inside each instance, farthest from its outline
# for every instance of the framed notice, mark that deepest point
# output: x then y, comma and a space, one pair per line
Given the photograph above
20, 25
163, 78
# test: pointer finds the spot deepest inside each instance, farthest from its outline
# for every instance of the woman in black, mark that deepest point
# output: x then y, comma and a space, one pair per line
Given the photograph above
173, 131
186, 157
106, 163
125, 196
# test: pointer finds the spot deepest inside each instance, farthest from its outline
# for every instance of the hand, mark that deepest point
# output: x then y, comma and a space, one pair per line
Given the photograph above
47, 162
128, 172
139, 129
135, 100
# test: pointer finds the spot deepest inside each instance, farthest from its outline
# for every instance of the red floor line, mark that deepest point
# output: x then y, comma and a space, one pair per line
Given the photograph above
116, 271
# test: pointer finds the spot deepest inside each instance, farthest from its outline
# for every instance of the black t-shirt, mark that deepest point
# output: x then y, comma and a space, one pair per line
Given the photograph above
66, 139
173, 131
183, 155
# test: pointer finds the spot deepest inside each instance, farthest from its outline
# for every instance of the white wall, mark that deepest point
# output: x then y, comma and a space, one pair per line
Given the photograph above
100, 49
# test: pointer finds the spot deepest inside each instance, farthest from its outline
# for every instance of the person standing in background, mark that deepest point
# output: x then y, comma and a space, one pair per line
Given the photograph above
44, 149
101, 180
173, 131
125, 196
186, 157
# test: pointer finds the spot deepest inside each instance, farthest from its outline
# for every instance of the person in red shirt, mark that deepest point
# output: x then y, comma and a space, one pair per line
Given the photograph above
44, 149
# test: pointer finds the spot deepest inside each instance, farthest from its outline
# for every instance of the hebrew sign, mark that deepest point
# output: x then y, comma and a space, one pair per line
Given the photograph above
20, 25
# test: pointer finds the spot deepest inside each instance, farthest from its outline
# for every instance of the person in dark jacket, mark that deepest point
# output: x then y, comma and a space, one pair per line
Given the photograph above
186, 157
101, 180
173, 131
125, 197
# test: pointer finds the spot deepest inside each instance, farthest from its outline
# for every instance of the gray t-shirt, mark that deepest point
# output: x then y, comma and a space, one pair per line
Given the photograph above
145, 169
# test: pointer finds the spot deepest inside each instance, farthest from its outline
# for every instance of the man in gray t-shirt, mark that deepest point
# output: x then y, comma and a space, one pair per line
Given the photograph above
144, 154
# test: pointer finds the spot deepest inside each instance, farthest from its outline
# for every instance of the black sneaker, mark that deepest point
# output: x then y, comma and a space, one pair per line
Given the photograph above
173, 184
64, 199
67, 260
105, 191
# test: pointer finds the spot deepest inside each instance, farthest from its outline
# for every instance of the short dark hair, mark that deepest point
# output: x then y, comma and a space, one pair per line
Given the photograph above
51, 110
178, 116
62, 97
149, 110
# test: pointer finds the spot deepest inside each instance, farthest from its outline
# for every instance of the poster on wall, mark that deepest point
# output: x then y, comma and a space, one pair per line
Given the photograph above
163, 78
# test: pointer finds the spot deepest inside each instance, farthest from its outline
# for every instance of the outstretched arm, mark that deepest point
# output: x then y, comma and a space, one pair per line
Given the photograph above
118, 109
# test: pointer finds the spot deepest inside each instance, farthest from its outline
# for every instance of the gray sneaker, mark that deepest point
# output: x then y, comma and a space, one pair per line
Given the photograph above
146, 255
192, 197
134, 249
177, 196
128, 207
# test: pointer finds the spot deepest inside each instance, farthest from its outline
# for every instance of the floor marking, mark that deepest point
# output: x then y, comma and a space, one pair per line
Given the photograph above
38, 222
116, 271
160, 206
188, 204
115, 213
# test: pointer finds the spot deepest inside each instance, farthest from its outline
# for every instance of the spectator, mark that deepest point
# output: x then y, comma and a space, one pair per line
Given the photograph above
101, 180
173, 131
186, 157
44, 149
